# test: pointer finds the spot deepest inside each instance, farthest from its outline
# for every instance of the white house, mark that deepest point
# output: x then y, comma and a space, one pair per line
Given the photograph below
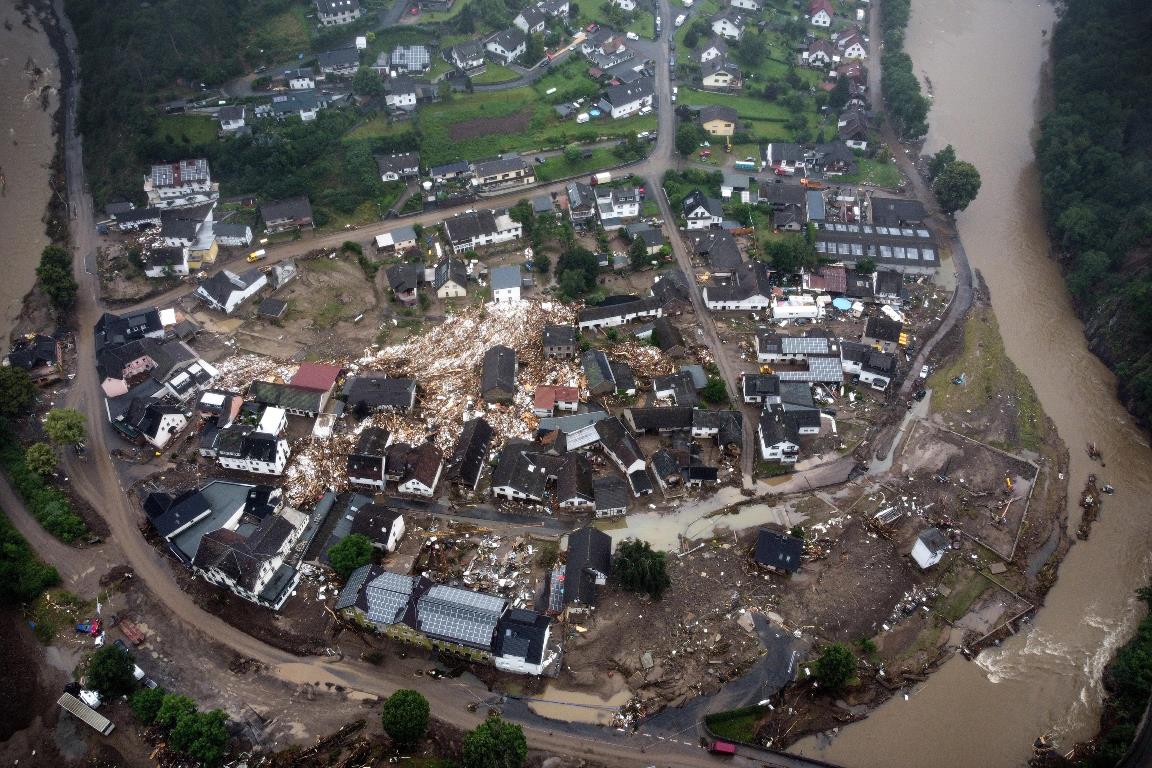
506, 283
424, 466
701, 212
745, 5
157, 423
261, 450
616, 205
402, 165
798, 308
251, 563
820, 13
929, 548
521, 642
166, 261
507, 45
183, 183
336, 12
729, 24
365, 465
618, 314
401, 92
531, 20
469, 231
226, 290
450, 279
625, 5
396, 241
302, 80
232, 235
467, 56
853, 45
714, 49
777, 438
627, 98
231, 118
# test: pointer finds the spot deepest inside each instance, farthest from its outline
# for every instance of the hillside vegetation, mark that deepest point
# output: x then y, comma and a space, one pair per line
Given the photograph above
1094, 154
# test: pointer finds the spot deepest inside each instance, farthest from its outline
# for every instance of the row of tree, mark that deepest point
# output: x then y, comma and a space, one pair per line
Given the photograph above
907, 105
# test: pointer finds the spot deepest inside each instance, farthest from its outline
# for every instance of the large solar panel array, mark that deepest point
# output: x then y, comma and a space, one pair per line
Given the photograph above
459, 615
804, 345
351, 589
827, 369
867, 229
387, 597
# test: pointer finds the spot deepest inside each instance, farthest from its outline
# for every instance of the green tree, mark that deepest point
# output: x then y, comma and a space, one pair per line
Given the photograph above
790, 254
573, 153
367, 83
572, 283
956, 186
541, 262
405, 717
940, 161
23, 577
202, 736
41, 458
638, 253
533, 51
639, 568
146, 703
750, 51
835, 667
687, 138
866, 266
55, 274
839, 94
523, 213
495, 744
582, 260
714, 391
173, 709
17, 392
110, 672
350, 553
64, 426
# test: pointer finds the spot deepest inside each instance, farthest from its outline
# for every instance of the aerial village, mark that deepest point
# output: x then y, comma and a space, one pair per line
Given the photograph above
433, 389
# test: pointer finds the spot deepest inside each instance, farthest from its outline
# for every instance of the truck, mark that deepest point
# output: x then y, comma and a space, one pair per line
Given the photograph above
745, 165
79, 709
813, 184
600, 178
718, 747
257, 255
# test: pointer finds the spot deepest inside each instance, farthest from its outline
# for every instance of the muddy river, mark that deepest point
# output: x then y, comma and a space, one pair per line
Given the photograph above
985, 59
26, 147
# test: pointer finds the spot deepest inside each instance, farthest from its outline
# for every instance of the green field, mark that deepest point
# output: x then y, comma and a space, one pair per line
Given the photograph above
496, 73
881, 173
558, 167
283, 35
185, 129
750, 107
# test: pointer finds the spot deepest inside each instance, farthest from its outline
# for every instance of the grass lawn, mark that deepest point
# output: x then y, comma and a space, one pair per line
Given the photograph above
745, 106
283, 35
649, 209
970, 584
378, 126
882, 174
643, 24
496, 73
736, 725
186, 129
558, 167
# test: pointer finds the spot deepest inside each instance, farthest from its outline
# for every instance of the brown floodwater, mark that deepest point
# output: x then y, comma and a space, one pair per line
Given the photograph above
985, 60
26, 148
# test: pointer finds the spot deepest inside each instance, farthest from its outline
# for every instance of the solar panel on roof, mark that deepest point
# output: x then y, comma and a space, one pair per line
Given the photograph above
929, 254
804, 345
857, 249
867, 230
923, 233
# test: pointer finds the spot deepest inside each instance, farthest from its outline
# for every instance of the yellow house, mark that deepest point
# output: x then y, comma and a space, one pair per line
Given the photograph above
719, 120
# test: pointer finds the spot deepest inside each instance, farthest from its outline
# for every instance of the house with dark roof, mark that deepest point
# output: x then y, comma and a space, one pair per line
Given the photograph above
232, 235
652, 237
405, 280
779, 437
502, 172
498, 375
333, 13
701, 211
295, 400
450, 279
369, 392
749, 289
613, 313
521, 472
399, 165
778, 552
598, 374
342, 62
521, 642
424, 465
897, 212
889, 285
883, 333
365, 465
559, 341
246, 555
383, 525
671, 289
612, 496
620, 446
677, 387
38, 356
729, 24
716, 119
581, 202
287, 215
225, 290
870, 365
627, 99
467, 56
588, 564
261, 449
470, 454
574, 486
507, 45
719, 249
661, 420
471, 230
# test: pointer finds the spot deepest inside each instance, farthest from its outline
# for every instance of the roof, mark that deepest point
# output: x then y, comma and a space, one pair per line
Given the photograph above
522, 634
459, 615
897, 212
611, 493
468, 457
590, 551
669, 286
580, 196
404, 277
239, 557
504, 277
378, 391
466, 226
889, 283
468, 50
498, 373
815, 6
316, 377
778, 550
933, 539
453, 168
33, 351
355, 585
224, 229
449, 269
620, 95
340, 58
375, 521
718, 112
623, 376
776, 429
398, 163
373, 442
697, 199
519, 467
231, 112
336, 7
285, 396
546, 396
883, 329
662, 419
574, 479
720, 248
290, 208
509, 39
182, 172
559, 336
597, 368
500, 165
387, 595
423, 465
619, 442
632, 306
411, 57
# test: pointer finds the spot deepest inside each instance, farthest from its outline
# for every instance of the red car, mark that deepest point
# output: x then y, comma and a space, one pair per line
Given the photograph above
781, 170
415, 10
97, 627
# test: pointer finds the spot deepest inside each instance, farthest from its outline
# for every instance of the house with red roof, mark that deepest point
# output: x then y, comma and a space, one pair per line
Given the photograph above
820, 13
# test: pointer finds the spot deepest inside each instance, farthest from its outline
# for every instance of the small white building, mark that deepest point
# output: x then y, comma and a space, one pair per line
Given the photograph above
231, 118
929, 548
506, 283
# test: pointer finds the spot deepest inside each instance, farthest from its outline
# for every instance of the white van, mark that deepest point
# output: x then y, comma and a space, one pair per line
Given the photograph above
582, 118
631, 35
680, 20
